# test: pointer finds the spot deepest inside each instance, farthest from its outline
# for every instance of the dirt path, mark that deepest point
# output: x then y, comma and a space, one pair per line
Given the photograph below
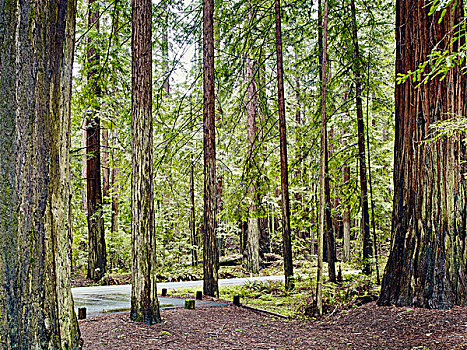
367, 327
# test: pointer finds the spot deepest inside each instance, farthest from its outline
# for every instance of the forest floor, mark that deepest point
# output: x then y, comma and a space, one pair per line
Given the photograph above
231, 327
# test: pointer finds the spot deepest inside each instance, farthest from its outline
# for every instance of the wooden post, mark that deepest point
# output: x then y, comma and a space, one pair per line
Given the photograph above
190, 304
199, 295
164, 292
81, 313
236, 300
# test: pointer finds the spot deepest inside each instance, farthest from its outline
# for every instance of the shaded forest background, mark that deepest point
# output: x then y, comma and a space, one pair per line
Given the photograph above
247, 154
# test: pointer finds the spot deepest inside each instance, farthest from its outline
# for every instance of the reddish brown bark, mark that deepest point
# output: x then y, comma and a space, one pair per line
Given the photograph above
210, 245
97, 255
285, 203
144, 303
367, 244
427, 263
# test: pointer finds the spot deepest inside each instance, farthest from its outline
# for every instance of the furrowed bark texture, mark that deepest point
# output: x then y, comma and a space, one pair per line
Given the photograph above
285, 203
144, 303
36, 56
210, 245
253, 220
367, 244
97, 255
427, 263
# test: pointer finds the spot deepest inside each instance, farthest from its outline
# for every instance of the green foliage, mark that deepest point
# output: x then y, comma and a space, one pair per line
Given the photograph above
243, 29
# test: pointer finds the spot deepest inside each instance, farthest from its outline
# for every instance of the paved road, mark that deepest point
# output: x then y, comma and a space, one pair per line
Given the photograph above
97, 299
112, 298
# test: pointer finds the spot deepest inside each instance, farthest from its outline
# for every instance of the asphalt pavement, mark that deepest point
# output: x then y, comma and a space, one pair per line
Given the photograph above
110, 299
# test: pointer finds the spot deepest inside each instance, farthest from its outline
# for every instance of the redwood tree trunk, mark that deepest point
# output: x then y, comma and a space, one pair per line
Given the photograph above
210, 245
367, 244
144, 303
97, 256
285, 203
253, 220
36, 58
427, 264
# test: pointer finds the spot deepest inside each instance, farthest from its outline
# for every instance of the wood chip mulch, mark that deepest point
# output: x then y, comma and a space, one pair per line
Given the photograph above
366, 327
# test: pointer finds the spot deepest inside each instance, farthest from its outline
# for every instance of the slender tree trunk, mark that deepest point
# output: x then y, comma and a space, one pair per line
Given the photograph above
194, 251
373, 226
322, 191
346, 218
165, 50
144, 303
36, 58
114, 138
427, 265
97, 256
367, 244
253, 220
210, 244
105, 166
285, 204
84, 162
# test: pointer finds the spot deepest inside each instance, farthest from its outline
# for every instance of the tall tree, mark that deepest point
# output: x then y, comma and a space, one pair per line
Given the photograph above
210, 244
285, 203
253, 220
36, 58
427, 263
144, 303
114, 136
329, 242
323, 153
97, 255
367, 245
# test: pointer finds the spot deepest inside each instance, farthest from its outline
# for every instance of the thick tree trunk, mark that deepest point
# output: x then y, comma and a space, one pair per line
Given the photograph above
427, 264
367, 244
97, 256
144, 303
36, 58
285, 203
210, 245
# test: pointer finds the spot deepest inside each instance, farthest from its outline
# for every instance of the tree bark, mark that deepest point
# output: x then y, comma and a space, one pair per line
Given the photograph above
285, 203
97, 255
144, 303
114, 186
105, 166
36, 57
114, 138
253, 220
427, 263
84, 162
346, 217
210, 244
367, 244
323, 156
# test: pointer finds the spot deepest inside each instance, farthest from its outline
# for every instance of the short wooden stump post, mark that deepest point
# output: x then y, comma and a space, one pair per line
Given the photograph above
81, 313
164, 292
199, 295
236, 300
189, 304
